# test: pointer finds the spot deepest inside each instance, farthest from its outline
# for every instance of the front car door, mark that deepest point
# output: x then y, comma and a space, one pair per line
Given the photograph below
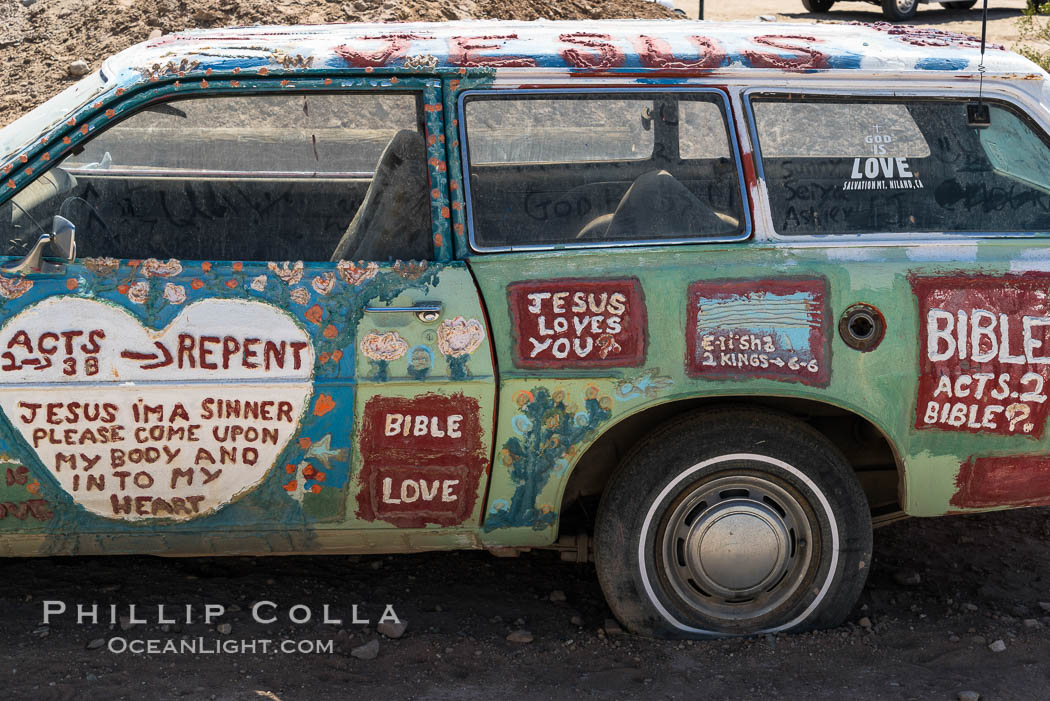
247, 260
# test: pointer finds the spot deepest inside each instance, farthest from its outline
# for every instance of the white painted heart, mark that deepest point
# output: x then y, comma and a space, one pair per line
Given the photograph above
138, 423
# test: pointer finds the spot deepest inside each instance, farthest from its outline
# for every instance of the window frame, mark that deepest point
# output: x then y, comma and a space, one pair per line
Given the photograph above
118, 105
734, 150
1001, 95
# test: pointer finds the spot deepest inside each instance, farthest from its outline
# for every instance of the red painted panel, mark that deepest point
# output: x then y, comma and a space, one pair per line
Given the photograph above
1017, 480
572, 323
984, 350
422, 460
773, 329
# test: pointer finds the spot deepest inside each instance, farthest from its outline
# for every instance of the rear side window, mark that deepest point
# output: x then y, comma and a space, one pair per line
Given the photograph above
852, 166
564, 169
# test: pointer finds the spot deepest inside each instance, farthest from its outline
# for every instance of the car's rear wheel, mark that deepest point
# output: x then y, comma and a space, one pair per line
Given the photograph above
735, 521
817, 5
964, 5
898, 10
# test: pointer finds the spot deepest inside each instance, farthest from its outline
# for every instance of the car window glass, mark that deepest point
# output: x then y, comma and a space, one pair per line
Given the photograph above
538, 130
600, 168
701, 132
899, 166
260, 177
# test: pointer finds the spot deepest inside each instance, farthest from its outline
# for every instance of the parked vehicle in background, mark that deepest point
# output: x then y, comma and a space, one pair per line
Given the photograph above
894, 10
710, 298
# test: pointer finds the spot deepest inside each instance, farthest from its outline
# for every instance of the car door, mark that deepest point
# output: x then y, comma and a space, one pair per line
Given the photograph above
190, 382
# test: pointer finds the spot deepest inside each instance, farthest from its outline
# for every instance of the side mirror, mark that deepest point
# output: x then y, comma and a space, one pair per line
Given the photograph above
60, 243
63, 239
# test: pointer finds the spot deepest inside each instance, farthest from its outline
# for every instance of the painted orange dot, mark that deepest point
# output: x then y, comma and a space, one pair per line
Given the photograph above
289, 468
84, 129
324, 404
206, 266
441, 138
314, 314
33, 487
72, 284
11, 184
290, 487
458, 228
462, 71
231, 284
177, 84
304, 442
435, 193
134, 263
235, 83
454, 84
368, 69
320, 477
23, 158
324, 358
393, 81
316, 489
46, 156
29, 171
439, 240
110, 113
444, 212
457, 206
431, 140
72, 121
207, 71
337, 355
43, 140
7, 168
122, 289
327, 81
97, 104
264, 71
330, 331
120, 91
238, 267
453, 185
204, 83
197, 283
237, 69
66, 140
285, 83
308, 471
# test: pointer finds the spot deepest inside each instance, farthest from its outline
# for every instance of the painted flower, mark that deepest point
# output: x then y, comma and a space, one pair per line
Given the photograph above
410, 269
384, 346
356, 273
151, 267
138, 292
176, 294
314, 314
291, 273
12, 287
458, 337
323, 283
258, 283
102, 267
300, 295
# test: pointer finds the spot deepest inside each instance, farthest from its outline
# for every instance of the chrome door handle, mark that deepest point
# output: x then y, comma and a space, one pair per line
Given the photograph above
426, 312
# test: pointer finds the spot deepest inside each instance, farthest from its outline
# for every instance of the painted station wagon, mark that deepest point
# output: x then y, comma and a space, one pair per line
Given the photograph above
705, 300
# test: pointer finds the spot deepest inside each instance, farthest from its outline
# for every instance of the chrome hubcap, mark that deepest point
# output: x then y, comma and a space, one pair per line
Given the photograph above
737, 547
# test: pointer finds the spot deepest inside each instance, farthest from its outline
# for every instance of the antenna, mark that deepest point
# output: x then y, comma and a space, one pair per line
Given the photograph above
977, 114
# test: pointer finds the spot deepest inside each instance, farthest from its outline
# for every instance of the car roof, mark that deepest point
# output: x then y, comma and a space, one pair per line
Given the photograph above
576, 47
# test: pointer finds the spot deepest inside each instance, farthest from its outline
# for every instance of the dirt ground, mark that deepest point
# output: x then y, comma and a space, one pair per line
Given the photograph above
941, 591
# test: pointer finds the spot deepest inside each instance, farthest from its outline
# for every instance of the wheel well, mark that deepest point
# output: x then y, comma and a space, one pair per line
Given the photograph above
861, 442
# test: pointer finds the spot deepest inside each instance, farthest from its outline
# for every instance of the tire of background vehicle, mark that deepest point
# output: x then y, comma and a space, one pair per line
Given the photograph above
963, 5
897, 10
735, 521
818, 5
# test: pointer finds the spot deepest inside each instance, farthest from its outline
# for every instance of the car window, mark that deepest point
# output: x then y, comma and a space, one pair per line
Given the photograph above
255, 177
557, 169
839, 166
